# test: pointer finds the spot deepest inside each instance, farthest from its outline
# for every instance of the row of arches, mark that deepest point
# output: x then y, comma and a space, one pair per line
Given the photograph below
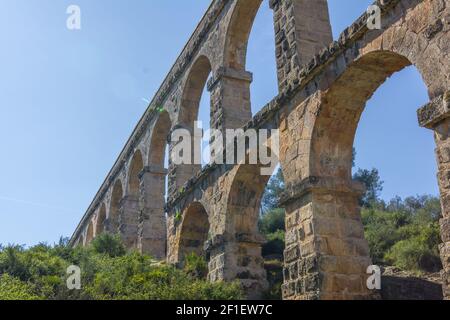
325, 219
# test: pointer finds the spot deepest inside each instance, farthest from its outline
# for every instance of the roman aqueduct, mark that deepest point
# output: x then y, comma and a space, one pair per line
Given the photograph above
323, 88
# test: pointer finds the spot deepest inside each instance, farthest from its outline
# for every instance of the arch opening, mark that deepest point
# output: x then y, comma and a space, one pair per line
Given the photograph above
89, 233
114, 210
194, 232
196, 106
136, 167
101, 218
244, 216
342, 107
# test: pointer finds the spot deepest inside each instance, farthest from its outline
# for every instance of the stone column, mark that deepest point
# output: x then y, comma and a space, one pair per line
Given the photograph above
326, 255
152, 221
238, 258
230, 98
436, 116
128, 221
302, 29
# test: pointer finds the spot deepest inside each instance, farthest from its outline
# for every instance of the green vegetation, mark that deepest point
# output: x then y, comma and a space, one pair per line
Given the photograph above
405, 233
401, 233
108, 273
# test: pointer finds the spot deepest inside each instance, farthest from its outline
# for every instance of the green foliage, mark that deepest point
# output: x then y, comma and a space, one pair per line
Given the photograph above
13, 289
372, 182
272, 192
272, 226
109, 244
178, 216
108, 273
274, 270
274, 245
196, 266
405, 233
418, 249
272, 221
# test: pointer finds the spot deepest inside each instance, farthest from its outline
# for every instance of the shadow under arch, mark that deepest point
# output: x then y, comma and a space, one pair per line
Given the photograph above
159, 140
114, 207
100, 225
89, 233
136, 166
194, 232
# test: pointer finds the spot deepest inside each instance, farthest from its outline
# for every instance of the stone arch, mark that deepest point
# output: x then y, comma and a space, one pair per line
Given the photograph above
244, 201
189, 114
192, 91
89, 233
101, 218
136, 167
194, 231
159, 140
151, 229
341, 109
114, 206
242, 216
238, 33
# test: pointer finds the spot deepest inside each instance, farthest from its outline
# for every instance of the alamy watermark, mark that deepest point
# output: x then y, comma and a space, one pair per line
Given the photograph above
374, 280
374, 17
234, 146
74, 278
73, 22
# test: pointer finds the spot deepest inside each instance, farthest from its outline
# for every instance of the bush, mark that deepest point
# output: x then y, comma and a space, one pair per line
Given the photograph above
407, 238
108, 273
196, 266
109, 244
13, 289
272, 221
274, 269
418, 251
274, 245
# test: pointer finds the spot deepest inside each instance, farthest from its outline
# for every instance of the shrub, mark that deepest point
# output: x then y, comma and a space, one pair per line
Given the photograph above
272, 221
418, 251
274, 245
108, 244
13, 289
196, 266
108, 273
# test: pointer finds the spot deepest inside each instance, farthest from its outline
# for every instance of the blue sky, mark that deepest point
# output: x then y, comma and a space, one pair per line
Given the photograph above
70, 99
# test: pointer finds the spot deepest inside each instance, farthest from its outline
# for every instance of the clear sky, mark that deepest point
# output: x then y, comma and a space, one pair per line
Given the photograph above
70, 99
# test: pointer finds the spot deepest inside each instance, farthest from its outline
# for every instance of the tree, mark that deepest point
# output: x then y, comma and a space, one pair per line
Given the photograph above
372, 182
273, 191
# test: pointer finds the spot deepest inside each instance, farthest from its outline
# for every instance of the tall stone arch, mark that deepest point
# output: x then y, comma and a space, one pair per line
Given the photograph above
130, 207
194, 232
302, 29
188, 114
117, 195
152, 227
